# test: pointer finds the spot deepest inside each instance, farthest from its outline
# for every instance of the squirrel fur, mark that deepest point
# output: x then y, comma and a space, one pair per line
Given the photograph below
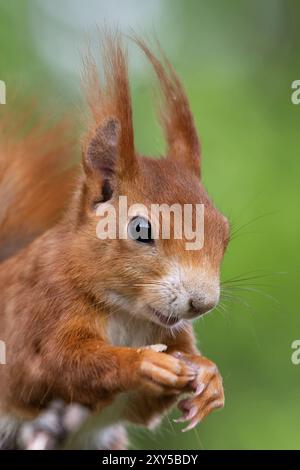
76, 312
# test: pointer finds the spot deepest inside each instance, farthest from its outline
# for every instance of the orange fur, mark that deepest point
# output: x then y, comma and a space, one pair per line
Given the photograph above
77, 312
175, 112
36, 167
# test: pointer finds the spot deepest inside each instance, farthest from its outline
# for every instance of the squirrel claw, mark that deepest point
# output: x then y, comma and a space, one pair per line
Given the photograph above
187, 415
192, 425
199, 389
207, 396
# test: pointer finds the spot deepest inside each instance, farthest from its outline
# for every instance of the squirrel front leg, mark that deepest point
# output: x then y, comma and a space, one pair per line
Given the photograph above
206, 390
91, 371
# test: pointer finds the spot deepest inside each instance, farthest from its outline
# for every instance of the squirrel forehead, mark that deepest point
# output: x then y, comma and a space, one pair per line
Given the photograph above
160, 181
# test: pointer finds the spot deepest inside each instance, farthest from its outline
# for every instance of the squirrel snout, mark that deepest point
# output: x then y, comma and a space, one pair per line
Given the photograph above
199, 307
202, 295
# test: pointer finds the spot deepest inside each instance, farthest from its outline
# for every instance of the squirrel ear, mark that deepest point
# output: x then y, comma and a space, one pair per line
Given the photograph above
100, 159
102, 150
110, 148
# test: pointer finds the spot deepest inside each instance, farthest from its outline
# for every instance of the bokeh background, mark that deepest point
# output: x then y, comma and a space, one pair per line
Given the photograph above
237, 60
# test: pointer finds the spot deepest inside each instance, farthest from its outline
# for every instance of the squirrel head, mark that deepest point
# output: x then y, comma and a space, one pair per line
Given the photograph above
139, 268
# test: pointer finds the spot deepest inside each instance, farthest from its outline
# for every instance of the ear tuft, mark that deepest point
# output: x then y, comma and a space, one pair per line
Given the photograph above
109, 103
176, 115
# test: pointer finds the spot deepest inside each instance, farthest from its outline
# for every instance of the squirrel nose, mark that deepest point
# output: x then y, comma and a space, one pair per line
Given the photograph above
199, 307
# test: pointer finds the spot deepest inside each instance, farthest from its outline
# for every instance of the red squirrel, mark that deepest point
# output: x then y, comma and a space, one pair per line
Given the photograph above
107, 323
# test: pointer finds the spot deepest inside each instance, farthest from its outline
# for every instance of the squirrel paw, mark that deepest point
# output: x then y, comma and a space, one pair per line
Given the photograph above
161, 373
208, 391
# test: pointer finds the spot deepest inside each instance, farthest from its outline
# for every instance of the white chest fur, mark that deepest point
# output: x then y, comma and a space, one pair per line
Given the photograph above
125, 330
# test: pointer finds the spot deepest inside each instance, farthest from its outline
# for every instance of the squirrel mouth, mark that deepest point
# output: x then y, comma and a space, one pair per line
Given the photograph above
167, 321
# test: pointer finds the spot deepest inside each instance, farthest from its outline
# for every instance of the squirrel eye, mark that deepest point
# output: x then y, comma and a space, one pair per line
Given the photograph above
139, 229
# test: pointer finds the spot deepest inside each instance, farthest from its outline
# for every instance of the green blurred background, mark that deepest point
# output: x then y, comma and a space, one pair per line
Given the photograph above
237, 60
